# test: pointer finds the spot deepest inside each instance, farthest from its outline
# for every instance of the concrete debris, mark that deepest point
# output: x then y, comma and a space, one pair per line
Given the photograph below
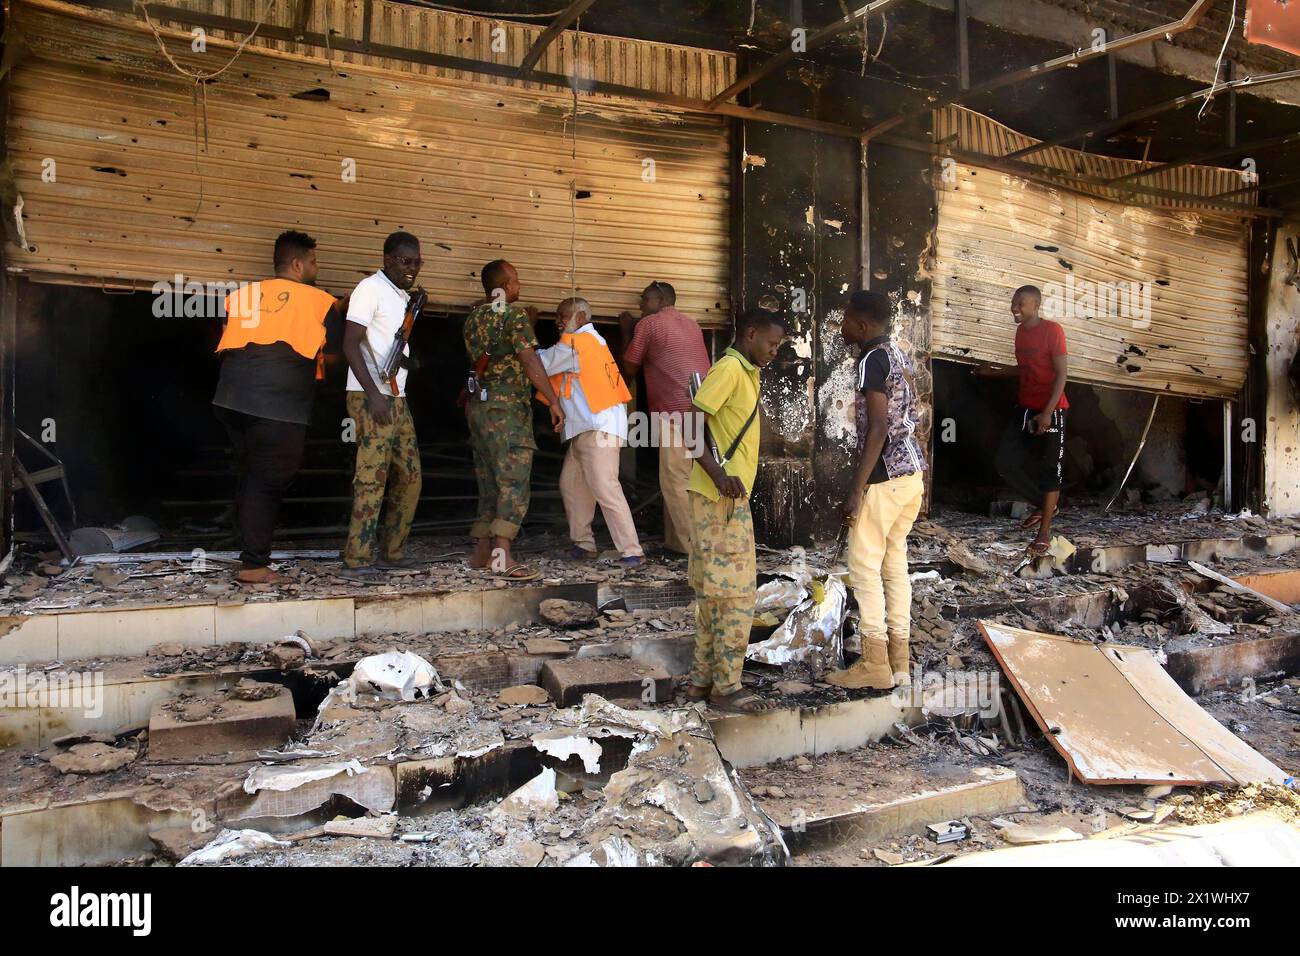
812, 633
1020, 833
249, 716
568, 680
381, 828
290, 778
562, 746
455, 704
612, 851
290, 791
249, 689
547, 645
176, 843
523, 695
792, 688
95, 756
535, 797
230, 844
559, 612
67, 740
966, 559
655, 803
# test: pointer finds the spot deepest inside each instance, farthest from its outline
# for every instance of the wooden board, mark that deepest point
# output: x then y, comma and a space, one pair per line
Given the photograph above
1116, 717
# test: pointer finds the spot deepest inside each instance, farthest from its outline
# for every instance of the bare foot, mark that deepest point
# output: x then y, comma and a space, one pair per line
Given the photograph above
482, 556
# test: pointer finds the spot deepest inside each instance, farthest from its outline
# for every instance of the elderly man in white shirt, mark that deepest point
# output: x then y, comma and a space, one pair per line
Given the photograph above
591, 392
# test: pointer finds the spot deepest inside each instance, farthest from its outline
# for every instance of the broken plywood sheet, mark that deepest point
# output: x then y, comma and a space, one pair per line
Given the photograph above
1115, 715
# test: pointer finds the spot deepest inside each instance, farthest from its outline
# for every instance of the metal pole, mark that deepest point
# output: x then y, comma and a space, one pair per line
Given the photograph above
1227, 455
1141, 444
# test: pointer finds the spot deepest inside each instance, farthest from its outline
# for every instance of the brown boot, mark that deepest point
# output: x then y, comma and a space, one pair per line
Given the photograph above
870, 670
900, 660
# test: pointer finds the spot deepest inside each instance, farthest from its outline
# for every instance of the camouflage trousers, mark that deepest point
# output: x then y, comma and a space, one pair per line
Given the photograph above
722, 573
388, 465
501, 436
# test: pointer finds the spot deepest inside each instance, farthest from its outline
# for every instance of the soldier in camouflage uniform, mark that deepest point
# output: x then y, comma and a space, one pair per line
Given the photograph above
388, 457
500, 416
722, 563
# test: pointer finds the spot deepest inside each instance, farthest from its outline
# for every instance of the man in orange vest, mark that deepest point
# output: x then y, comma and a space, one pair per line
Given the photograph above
591, 392
271, 351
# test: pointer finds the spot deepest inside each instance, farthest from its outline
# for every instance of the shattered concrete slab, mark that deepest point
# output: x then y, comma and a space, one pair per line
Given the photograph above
250, 716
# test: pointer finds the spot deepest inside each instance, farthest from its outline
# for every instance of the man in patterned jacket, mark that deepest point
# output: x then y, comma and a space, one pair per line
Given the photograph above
884, 498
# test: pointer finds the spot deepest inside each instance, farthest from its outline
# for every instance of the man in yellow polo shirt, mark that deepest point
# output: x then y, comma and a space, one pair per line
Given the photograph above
722, 565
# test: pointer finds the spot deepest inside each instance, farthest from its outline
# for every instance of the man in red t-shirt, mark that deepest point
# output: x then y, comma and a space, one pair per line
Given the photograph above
1030, 453
669, 346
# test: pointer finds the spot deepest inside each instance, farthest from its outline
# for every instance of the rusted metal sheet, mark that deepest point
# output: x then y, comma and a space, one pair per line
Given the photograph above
1274, 23
1151, 299
150, 182
1116, 717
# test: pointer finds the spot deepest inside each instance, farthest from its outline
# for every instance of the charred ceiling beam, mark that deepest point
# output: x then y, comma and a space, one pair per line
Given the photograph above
875, 8
1256, 146
1128, 119
562, 22
962, 16
1188, 21
1271, 187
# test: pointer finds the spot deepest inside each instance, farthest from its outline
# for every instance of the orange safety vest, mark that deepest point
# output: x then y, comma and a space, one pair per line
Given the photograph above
602, 382
278, 310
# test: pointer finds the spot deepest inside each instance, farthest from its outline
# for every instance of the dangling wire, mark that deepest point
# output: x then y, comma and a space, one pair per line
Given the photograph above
201, 80
1218, 64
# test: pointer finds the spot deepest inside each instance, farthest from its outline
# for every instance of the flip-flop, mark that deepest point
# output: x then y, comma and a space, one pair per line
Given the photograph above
696, 692
1032, 520
741, 702
512, 573
1036, 549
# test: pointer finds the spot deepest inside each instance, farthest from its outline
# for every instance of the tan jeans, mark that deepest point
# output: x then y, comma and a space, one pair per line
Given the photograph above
590, 477
675, 465
878, 563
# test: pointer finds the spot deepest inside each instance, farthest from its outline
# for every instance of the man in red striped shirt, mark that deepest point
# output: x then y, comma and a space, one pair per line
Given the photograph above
669, 346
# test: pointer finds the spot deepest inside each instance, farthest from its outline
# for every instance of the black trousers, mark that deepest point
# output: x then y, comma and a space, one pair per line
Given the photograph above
1031, 464
268, 455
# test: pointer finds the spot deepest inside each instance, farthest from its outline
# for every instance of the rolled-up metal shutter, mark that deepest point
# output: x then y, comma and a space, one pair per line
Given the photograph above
153, 176
1150, 298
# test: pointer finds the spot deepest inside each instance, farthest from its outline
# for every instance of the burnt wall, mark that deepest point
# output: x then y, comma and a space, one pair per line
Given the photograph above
799, 253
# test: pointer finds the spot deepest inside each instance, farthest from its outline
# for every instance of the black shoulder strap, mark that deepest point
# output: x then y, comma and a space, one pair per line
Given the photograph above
744, 429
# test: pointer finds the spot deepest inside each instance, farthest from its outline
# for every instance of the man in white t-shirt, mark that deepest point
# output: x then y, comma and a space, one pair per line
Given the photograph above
388, 455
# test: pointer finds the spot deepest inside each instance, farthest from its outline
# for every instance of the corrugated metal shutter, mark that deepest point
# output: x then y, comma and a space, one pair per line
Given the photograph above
1150, 299
476, 170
